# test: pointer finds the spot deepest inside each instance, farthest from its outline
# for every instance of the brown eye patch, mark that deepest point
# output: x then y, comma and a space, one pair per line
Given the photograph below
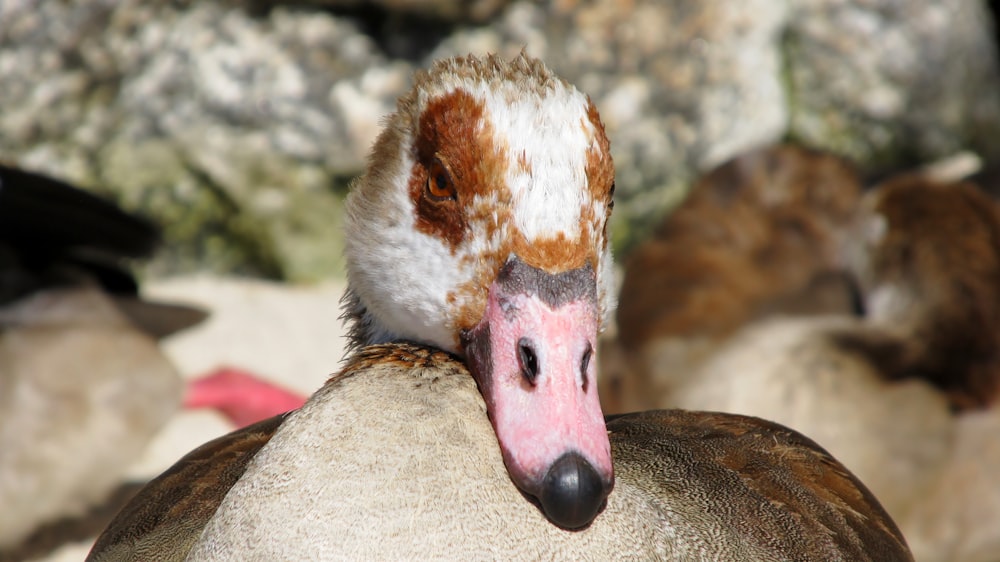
453, 147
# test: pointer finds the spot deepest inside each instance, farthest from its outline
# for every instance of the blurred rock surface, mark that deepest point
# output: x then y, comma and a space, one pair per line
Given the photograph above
238, 123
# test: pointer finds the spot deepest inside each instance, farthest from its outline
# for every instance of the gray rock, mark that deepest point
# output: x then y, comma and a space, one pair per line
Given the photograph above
223, 126
236, 126
888, 82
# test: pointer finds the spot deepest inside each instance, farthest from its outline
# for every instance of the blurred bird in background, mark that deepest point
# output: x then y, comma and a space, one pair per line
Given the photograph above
867, 318
84, 384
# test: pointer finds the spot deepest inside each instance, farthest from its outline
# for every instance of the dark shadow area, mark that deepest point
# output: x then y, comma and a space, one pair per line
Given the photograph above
407, 36
72, 529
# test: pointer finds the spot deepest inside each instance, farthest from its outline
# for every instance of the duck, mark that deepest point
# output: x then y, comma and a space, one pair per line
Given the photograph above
758, 236
901, 386
83, 383
927, 259
466, 422
711, 317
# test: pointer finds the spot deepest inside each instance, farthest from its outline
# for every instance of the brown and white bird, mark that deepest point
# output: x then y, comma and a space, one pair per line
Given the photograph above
758, 236
466, 420
928, 262
927, 258
891, 393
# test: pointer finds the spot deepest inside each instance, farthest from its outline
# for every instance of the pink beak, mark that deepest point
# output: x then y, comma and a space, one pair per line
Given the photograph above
532, 355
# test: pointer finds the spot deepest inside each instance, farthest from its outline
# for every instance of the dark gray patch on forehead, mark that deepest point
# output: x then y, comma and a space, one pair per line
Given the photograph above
554, 290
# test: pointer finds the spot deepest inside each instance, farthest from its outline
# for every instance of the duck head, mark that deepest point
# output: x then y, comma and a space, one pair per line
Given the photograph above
480, 227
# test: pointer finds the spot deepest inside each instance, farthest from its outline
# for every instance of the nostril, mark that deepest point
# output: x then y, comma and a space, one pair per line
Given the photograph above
584, 365
528, 359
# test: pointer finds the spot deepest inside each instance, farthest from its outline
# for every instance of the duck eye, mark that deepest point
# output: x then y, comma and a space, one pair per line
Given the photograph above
439, 184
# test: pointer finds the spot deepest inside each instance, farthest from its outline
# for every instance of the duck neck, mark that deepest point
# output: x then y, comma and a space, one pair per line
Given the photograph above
362, 327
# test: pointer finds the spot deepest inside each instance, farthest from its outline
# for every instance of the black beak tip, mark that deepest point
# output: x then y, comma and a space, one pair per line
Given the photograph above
572, 493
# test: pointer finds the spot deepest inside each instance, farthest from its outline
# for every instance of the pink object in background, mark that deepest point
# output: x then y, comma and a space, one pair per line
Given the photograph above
240, 396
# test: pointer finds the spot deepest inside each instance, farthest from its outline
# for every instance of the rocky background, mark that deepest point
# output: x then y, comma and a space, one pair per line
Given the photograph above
238, 125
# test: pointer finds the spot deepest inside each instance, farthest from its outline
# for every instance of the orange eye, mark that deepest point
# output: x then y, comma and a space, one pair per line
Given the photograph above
439, 184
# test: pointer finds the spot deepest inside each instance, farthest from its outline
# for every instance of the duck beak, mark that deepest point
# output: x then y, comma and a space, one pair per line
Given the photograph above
533, 357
